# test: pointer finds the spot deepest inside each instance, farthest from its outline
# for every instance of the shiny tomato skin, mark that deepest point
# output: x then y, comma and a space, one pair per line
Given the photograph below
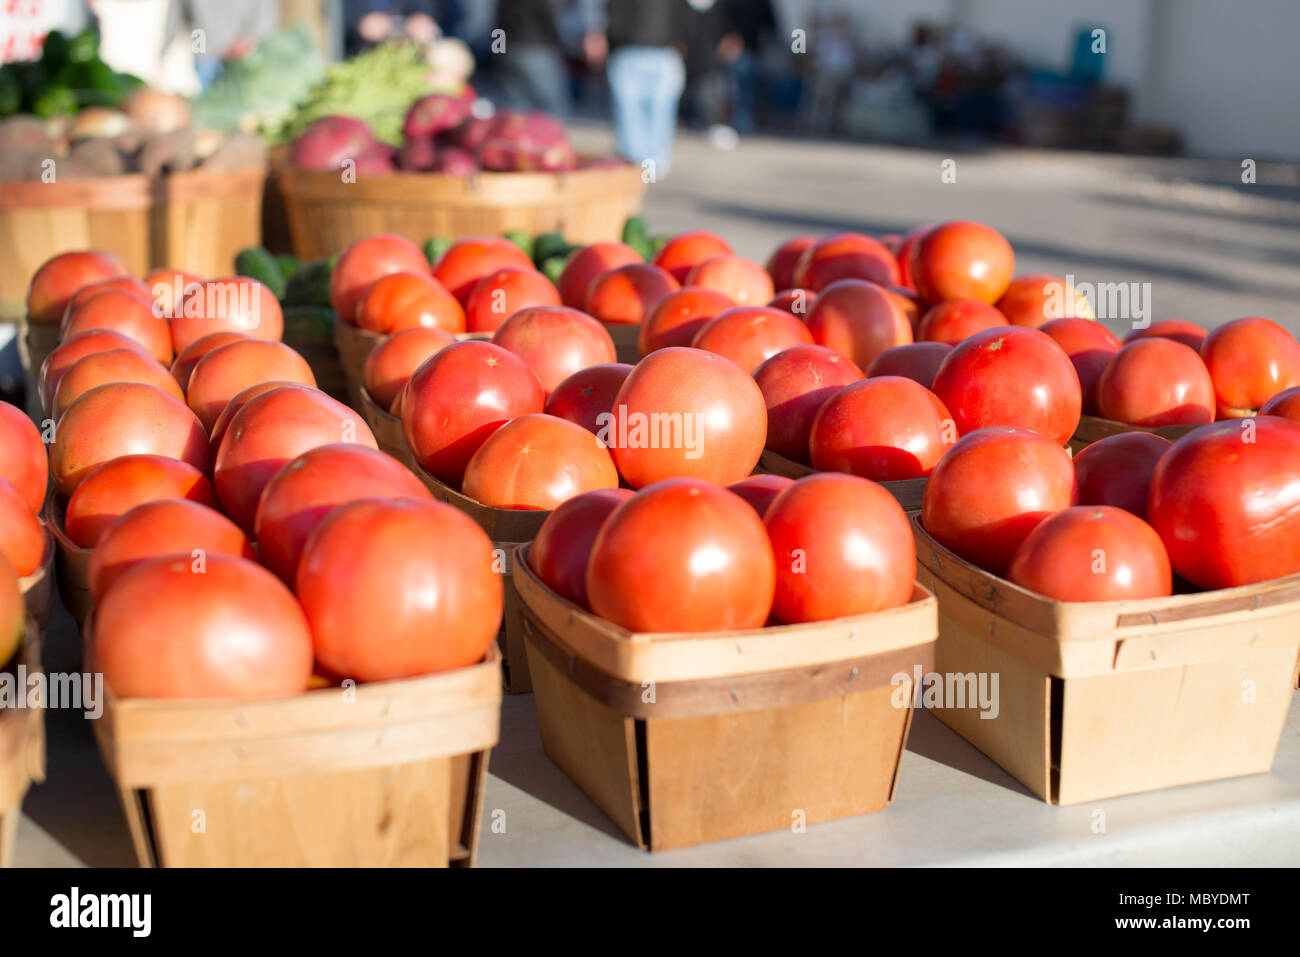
843, 547
384, 605
953, 320
678, 317
232, 304
188, 358
750, 335
588, 394
682, 556
741, 280
797, 302
991, 489
1180, 330
408, 300
1093, 553
73, 348
844, 256
796, 383
859, 320
1038, 298
1090, 346
271, 430
538, 462
555, 342
125, 313
458, 398
232, 409
685, 251
119, 485
13, 611
23, 459
121, 283
169, 526
1285, 404
711, 415
962, 260
760, 490
588, 263
123, 418
366, 261
1117, 470
167, 288
885, 428
629, 294
559, 553
903, 253
918, 361
22, 537
781, 264
1011, 376
1226, 502
499, 295
230, 369
1250, 361
307, 489
467, 261
1155, 381
392, 362
59, 278
234, 631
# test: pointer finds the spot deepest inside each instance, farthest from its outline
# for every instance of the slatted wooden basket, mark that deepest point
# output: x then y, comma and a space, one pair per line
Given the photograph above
907, 492
388, 430
1098, 699
625, 341
22, 752
71, 564
38, 588
686, 739
1093, 428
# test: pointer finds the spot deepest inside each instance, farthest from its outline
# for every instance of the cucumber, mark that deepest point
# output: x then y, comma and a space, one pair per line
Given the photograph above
288, 265
256, 263
304, 325
520, 239
310, 285
434, 247
657, 243
547, 245
634, 233
552, 268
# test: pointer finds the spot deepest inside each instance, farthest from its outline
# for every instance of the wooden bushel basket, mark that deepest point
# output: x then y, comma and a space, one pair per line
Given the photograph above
907, 492
625, 341
388, 430
201, 219
22, 751
1099, 699
35, 342
326, 214
72, 566
392, 777
355, 346
686, 739
38, 588
1092, 428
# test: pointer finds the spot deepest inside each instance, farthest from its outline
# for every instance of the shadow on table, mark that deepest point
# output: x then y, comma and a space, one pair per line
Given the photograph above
931, 738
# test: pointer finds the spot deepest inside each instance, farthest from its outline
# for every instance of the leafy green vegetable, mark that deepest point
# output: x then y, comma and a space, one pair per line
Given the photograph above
260, 92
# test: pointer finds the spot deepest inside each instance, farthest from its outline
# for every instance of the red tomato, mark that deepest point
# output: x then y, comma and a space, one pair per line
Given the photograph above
189, 357
409, 300
1180, 330
125, 313
392, 362
1040, 298
843, 547
307, 489
797, 302
1011, 376
120, 484
232, 408
689, 413
1117, 470
59, 361
170, 526
123, 418
537, 462
953, 320
750, 335
918, 361
460, 397
1226, 502
588, 263
962, 260
366, 261
678, 317
796, 383
760, 490
234, 304
234, 631
60, 277
741, 280
271, 430
498, 296
585, 396
886, 428
844, 256
228, 370
121, 284
1093, 553
1285, 404
682, 556
903, 253
23, 461
859, 320
22, 537
782, 262
555, 342
384, 605
559, 553
685, 251
1250, 360
629, 294
467, 261
1090, 346
13, 611
1154, 382
167, 288
991, 489
909, 302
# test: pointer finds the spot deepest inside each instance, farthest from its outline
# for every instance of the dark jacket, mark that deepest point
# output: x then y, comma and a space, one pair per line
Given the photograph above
529, 22
648, 23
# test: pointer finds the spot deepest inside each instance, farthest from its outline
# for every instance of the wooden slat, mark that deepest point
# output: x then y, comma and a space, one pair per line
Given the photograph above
387, 429
503, 525
625, 336
72, 565
38, 587
907, 492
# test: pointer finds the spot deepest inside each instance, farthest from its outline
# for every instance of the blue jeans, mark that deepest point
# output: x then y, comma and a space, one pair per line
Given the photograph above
646, 83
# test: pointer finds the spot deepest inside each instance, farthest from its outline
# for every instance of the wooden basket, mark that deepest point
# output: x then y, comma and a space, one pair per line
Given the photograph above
72, 566
35, 342
907, 492
22, 752
201, 219
38, 588
388, 431
625, 337
686, 739
1093, 428
1098, 699
354, 346
392, 777
585, 206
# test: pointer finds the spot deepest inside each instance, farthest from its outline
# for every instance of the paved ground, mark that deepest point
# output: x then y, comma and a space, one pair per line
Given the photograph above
1211, 250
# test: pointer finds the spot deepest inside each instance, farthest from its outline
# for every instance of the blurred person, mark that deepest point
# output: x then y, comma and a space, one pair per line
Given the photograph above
533, 75
832, 69
370, 22
730, 34
231, 31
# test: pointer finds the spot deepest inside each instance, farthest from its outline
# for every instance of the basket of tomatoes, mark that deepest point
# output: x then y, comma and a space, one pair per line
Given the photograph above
22, 718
